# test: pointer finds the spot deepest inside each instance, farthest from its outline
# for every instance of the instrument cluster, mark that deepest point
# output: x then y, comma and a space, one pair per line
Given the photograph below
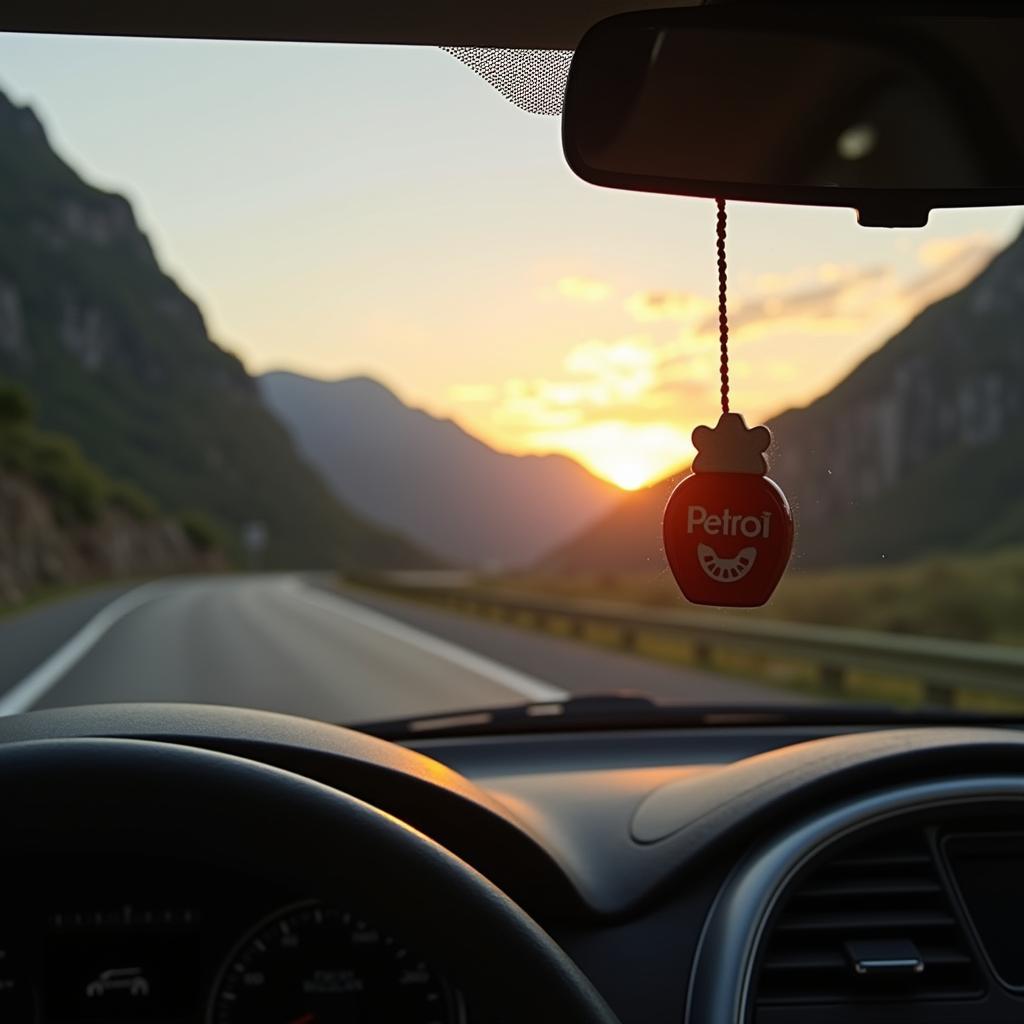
114, 946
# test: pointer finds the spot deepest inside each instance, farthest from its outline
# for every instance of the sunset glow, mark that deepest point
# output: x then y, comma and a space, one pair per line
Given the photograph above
539, 313
625, 404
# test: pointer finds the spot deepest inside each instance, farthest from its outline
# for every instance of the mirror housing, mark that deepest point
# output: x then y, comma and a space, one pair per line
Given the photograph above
892, 114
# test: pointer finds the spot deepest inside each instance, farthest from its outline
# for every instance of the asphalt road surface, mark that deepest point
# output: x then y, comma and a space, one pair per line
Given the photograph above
280, 643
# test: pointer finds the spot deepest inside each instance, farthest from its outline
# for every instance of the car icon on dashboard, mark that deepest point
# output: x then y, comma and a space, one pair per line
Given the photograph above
118, 979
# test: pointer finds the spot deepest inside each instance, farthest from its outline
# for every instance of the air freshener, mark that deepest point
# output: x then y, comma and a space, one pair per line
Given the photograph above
728, 530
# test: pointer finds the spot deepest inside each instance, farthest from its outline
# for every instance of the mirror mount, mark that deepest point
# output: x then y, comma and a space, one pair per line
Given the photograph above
895, 215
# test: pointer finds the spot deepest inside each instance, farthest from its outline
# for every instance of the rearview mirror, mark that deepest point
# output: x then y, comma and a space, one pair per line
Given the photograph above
891, 114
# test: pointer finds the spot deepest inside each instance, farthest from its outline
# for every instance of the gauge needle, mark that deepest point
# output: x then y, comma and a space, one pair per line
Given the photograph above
306, 1018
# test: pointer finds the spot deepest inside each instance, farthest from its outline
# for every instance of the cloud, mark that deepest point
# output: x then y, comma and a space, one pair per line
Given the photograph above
597, 377
472, 392
842, 303
945, 252
625, 359
833, 299
799, 278
782, 370
583, 289
949, 264
641, 386
624, 407
539, 403
652, 306
828, 298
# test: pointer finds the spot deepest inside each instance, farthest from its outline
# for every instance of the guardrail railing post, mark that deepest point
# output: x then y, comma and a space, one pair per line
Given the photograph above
940, 694
832, 679
701, 653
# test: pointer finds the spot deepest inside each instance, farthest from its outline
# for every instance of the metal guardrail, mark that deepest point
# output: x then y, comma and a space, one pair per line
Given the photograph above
944, 668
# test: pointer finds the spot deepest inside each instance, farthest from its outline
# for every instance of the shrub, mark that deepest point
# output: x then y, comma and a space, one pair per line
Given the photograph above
15, 406
134, 502
76, 487
202, 533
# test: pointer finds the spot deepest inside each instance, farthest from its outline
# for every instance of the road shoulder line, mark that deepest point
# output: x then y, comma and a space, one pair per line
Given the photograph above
24, 693
518, 682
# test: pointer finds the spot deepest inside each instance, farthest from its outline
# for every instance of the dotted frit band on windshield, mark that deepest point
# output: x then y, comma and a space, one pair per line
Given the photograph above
723, 317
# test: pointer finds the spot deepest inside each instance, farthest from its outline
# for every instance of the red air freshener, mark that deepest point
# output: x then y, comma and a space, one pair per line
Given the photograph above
728, 530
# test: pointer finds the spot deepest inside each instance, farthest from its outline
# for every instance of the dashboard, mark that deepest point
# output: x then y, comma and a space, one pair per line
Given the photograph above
721, 876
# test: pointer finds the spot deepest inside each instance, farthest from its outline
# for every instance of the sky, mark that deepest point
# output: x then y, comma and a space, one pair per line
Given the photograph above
341, 210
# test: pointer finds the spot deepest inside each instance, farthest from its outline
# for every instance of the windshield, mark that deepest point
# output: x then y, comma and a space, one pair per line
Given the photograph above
326, 388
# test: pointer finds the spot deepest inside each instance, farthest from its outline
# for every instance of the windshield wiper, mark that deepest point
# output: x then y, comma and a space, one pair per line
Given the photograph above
629, 711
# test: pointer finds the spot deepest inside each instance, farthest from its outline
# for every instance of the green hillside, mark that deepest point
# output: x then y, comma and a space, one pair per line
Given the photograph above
116, 356
78, 491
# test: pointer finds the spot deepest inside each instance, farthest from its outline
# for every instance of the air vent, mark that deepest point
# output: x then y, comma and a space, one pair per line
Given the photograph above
884, 894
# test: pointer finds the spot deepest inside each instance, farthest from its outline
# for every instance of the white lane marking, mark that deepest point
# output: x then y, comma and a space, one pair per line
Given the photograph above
43, 677
520, 683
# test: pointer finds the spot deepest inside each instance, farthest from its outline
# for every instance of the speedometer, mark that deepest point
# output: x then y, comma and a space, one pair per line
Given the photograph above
314, 964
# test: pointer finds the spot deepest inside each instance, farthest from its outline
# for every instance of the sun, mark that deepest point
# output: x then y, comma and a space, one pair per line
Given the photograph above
627, 472
629, 455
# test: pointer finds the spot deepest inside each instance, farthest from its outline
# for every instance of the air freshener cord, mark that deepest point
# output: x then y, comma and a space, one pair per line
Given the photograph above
723, 317
727, 528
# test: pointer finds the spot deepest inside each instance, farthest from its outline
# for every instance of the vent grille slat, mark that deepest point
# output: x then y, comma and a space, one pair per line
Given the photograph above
885, 861
833, 961
870, 920
886, 889
861, 886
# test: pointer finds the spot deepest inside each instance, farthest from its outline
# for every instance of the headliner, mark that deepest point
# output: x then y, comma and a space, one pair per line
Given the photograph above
540, 24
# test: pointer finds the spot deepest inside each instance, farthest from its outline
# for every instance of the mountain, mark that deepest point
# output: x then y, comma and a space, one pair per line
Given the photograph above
920, 449
429, 478
116, 356
626, 540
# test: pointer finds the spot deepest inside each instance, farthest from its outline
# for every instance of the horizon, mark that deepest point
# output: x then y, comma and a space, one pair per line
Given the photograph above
597, 308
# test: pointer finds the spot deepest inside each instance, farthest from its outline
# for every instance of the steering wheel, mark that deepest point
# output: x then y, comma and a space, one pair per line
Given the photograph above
144, 797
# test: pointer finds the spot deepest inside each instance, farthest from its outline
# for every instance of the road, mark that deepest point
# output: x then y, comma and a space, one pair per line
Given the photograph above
281, 643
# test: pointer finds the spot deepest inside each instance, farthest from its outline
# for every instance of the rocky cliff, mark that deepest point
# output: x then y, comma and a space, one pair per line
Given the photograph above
37, 550
920, 448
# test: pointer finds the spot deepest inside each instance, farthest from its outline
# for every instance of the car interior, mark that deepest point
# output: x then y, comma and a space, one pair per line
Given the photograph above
179, 863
